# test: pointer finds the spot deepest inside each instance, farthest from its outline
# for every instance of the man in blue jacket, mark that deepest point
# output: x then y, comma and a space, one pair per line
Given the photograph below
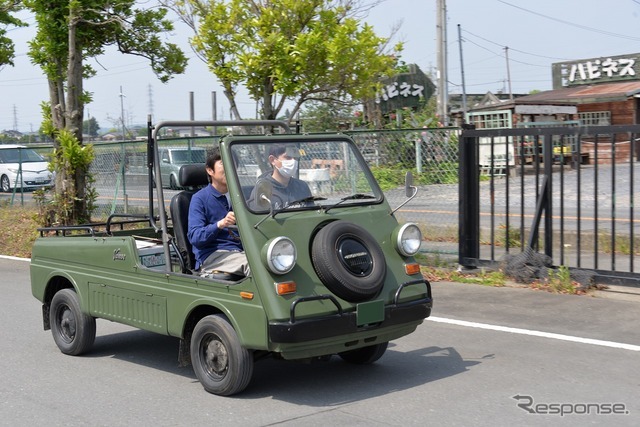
216, 247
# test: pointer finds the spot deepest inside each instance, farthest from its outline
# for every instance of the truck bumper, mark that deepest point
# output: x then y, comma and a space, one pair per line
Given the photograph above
316, 328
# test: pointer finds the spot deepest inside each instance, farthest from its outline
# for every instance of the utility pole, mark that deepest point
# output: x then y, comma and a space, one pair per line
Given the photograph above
192, 113
122, 112
150, 95
506, 55
464, 90
214, 111
15, 117
441, 41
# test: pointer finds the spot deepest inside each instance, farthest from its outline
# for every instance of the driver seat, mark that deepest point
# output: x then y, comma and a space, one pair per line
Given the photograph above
192, 177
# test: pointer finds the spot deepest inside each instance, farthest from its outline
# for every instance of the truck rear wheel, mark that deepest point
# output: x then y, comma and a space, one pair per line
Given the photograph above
221, 364
73, 331
365, 355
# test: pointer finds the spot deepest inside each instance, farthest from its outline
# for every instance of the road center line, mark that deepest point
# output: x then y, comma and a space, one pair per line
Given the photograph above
535, 333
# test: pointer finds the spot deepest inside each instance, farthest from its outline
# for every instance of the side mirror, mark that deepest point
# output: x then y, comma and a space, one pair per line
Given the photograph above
408, 184
264, 192
409, 189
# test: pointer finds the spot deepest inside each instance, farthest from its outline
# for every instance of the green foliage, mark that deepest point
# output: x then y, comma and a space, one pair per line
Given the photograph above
70, 158
560, 281
484, 277
623, 244
323, 117
7, 7
421, 117
100, 24
90, 126
287, 50
47, 128
393, 177
69, 32
512, 237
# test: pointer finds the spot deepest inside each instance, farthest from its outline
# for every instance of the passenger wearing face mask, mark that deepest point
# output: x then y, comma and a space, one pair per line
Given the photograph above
287, 189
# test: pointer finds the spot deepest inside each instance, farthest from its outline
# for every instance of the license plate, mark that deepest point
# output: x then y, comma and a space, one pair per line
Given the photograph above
370, 312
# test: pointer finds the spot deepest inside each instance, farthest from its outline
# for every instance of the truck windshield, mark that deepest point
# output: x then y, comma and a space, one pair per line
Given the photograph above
303, 175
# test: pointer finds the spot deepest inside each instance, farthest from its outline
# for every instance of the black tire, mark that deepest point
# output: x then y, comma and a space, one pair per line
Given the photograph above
5, 184
365, 355
349, 261
221, 364
172, 182
73, 331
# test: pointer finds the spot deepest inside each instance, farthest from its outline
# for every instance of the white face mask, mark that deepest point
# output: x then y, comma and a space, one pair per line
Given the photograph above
288, 167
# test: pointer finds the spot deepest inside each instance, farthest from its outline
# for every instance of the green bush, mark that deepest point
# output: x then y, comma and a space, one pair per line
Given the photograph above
389, 178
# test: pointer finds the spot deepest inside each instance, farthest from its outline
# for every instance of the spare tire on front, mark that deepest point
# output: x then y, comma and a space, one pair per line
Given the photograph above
349, 261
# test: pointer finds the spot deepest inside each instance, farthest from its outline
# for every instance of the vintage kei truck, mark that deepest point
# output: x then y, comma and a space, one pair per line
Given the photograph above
332, 274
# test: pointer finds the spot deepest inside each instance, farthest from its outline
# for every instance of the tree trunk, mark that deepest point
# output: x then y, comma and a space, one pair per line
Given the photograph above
74, 113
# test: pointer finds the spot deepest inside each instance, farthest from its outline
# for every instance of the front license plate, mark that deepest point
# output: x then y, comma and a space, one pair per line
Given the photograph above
370, 312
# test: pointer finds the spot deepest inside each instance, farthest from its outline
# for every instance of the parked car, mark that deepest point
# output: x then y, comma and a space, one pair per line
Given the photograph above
18, 160
172, 158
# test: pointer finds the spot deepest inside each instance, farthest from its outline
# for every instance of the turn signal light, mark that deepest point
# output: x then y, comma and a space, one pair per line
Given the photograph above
246, 295
411, 269
285, 288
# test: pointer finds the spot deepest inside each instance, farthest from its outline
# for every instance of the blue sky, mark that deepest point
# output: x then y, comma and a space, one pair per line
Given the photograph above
537, 33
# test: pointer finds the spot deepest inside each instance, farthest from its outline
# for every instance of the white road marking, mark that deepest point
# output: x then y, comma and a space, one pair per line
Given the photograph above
13, 258
535, 333
496, 328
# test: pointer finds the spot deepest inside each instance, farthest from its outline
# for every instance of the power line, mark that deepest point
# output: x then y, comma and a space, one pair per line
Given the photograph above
502, 56
511, 48
573, 24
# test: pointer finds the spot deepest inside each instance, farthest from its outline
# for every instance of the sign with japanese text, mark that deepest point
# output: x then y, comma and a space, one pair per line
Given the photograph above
404, 90
596, 70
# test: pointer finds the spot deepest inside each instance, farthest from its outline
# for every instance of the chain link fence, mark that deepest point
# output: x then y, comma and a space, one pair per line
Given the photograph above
121, 174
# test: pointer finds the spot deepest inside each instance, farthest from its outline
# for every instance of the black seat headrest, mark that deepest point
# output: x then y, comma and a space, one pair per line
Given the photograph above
193, 175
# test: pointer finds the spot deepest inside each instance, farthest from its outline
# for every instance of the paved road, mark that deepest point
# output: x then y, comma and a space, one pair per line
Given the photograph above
451, 373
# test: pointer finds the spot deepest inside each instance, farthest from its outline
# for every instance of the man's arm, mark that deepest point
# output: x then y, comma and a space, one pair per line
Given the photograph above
203, 227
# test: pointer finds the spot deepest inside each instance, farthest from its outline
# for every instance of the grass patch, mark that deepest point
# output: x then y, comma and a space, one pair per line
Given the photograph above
622, 244
19, 229
484, 277
560, 282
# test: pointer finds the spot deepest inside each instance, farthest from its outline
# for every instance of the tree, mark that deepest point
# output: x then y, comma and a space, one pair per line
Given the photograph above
90, 127
70, 31
287, 50
7, 7
324, 117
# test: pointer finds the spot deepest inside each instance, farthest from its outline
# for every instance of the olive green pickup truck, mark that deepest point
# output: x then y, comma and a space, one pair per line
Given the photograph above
331, 274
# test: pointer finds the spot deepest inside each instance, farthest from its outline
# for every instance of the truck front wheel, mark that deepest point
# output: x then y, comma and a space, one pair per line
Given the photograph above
221, 364
73, 331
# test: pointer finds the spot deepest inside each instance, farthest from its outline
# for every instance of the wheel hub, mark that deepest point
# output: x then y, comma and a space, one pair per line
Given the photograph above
68, 325
216, 357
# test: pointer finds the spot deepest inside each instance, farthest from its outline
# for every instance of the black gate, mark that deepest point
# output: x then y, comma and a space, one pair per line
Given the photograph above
567, 192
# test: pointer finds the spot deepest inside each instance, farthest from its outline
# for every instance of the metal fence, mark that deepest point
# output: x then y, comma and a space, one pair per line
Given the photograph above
121, 176
567, 192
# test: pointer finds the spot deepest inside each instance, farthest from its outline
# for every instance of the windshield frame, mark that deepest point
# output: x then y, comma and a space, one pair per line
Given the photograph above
354, 155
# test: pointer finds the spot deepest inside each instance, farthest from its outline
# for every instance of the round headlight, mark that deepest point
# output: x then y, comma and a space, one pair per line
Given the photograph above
281, 255
409, 239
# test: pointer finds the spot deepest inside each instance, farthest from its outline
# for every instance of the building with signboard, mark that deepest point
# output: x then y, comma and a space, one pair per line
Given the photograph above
404, 90
589, 92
